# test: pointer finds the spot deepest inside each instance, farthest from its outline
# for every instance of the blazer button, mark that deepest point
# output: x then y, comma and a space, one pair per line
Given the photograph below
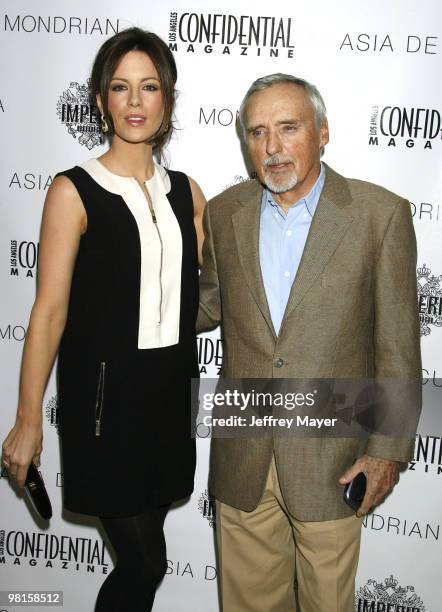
279, 363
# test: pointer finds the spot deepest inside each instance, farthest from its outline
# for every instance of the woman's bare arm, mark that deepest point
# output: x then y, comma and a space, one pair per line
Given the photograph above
63, 222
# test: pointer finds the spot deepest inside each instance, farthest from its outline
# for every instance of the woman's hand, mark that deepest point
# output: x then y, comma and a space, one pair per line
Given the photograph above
23, 444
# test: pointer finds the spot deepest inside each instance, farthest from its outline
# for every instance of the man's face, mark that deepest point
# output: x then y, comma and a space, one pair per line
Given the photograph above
283, 139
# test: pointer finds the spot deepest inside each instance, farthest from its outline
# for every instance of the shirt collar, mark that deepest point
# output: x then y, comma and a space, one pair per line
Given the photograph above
310, 201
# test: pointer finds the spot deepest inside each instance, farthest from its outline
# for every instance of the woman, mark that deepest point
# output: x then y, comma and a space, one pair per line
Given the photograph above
117, 293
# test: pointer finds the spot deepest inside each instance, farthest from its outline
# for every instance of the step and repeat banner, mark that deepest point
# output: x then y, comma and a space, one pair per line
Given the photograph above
378, 67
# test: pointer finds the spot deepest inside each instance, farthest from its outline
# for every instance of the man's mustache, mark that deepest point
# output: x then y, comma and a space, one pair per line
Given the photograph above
274, 160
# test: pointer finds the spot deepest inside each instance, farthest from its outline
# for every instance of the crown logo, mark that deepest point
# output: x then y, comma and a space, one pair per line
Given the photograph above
82, 92
388, 592
423, 272
391, 582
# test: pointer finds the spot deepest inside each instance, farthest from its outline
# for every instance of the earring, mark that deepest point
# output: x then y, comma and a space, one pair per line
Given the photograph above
104, 125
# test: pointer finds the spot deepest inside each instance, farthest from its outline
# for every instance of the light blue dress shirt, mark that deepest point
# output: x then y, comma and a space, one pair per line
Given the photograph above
282, 239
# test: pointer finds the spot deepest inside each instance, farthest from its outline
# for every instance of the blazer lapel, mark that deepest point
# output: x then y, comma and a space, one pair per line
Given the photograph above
329, 225
246, 223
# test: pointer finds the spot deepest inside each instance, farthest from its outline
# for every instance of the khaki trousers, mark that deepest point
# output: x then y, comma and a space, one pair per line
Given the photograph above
261, 554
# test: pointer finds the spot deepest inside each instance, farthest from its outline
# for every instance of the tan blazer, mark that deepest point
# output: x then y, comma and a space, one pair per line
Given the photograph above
352, 313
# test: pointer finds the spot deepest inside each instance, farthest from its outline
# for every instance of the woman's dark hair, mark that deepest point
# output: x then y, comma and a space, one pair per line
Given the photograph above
107, 59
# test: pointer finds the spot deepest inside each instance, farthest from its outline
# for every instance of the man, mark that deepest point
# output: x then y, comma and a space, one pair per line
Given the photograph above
307, 272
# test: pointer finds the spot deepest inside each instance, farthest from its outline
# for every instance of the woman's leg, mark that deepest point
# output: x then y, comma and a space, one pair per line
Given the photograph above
140, 548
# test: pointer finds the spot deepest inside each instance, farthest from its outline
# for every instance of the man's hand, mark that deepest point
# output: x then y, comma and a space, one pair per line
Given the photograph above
382, 475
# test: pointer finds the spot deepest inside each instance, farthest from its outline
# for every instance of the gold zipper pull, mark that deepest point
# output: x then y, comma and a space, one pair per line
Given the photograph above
150, 204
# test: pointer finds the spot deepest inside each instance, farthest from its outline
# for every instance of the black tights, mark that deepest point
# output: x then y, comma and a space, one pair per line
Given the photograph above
140, 547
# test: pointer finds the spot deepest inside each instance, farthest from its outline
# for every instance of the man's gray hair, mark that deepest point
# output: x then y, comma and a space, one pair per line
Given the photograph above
274, 79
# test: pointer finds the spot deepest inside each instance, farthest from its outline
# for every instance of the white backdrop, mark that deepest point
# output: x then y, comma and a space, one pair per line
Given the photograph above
375, 63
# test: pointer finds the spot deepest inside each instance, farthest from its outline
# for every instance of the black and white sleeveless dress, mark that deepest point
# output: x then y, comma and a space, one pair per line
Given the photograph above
128, 351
